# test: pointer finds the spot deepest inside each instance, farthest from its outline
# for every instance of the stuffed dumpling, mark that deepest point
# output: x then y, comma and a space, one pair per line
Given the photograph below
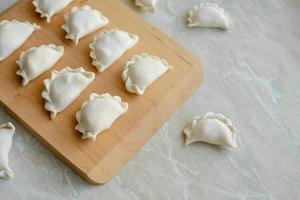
98, 113
211, 128
64, 87
13, 34
6, 138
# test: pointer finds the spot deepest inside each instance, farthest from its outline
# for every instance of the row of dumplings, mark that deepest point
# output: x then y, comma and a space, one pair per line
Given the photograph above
64, 86
210, 128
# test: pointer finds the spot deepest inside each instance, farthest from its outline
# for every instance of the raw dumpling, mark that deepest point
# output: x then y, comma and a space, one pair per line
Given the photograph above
64, 87
37, 60
146, 4
98, 113
48, 8
13, 34
83, 21
211, 128
140, 71
109, 46
6, 138
209, 15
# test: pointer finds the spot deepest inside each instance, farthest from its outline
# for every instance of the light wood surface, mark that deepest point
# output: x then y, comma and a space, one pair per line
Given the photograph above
98, 161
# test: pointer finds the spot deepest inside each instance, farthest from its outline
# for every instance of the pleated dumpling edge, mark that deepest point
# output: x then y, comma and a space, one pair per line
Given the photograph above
36, 60
140, 71
14, 34
109, 46
209, 15
67, 84
7, 131
57, 6
211, 128
98, 113
75, 19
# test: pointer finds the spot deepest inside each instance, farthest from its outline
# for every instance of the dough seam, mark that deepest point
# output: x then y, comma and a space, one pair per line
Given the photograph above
100, 66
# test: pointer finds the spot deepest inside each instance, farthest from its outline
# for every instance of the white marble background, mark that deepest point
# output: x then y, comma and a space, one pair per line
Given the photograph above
252, 76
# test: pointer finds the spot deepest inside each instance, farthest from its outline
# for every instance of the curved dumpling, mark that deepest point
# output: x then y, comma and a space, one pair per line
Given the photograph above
109, 46
6, 138
13, 34
98, 113
83, 21
37, 60
209, 15
64, 87
146, 4
48, 8
211, 128
140, 71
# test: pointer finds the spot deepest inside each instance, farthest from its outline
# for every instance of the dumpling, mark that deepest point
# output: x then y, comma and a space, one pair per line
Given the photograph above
146, 5
83, 21
98, 113
13, 34
64, 87
140, 71
209, 15
211, 128
48, 8
109, 46
6, 138
37, 60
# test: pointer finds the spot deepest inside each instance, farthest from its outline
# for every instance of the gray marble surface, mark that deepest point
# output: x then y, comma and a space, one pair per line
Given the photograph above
252, 76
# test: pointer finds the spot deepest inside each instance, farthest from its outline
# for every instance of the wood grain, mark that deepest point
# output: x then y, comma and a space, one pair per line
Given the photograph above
98, 161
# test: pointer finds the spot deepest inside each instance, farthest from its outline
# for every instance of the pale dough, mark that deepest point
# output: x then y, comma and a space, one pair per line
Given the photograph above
38, 60
83, 21
140, 71
98, 113
209, 15
109, 46
13, 34
146, 5
6, 139
48, 8
211, 128
64, 87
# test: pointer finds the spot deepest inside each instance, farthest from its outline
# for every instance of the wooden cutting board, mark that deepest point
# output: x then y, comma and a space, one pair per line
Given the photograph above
98, 161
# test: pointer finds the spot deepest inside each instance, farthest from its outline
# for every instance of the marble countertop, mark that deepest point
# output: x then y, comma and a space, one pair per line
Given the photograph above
252, 76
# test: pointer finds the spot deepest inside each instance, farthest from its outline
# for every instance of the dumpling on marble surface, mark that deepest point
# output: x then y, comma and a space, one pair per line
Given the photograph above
140, 71
146, 5
211, 128
209, 15
13, 34
98, 113
6, 139
37, 60
83, 21
48, 8
109, 46
64, 87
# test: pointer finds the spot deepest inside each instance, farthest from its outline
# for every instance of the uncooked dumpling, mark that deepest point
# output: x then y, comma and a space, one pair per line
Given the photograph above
209, 15
13, 34
37, 60
64, 87
141, 71
48, 8
109, 46
83, 21
146, 4
98, 113
211, 128
6, 138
